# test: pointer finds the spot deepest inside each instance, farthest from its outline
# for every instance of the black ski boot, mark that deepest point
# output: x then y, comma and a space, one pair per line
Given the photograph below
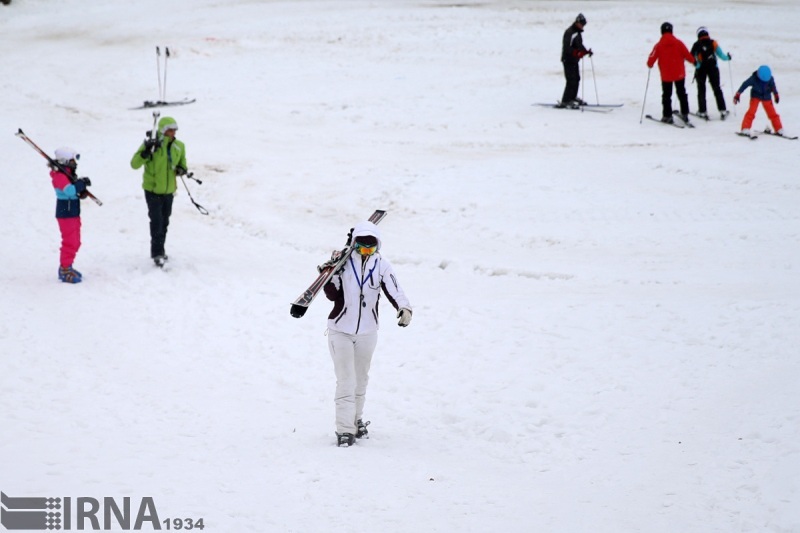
343, 440
362, 432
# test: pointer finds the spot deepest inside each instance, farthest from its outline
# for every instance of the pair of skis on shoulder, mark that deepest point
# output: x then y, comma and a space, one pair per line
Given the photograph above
328, 269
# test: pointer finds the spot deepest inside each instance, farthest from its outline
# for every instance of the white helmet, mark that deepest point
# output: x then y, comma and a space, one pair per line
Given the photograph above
64, 155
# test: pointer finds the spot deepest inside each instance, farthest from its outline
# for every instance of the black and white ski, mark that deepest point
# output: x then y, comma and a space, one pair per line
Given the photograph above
748, 135
772, 133
680, 117
703, 117
327, 270
651, 117
160, 103
602, 105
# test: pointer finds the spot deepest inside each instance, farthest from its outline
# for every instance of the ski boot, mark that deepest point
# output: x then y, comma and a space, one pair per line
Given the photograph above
362, 432
69, 275
160, 260
724, 114
702, 114
667, 120
344, 440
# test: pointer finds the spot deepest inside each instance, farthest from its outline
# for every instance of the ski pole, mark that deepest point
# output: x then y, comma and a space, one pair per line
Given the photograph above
53, 163
158, 70
596, 97
645, 95
583, 81
166, 57
730, 74
203, 210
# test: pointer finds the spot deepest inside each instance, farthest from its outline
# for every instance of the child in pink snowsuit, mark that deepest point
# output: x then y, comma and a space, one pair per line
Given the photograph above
69, 192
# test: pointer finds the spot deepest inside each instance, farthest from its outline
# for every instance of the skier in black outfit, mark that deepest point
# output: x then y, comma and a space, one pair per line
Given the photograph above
706, 51
572, 51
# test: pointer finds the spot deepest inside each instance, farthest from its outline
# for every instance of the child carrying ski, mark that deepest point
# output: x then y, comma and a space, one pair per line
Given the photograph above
762, 87
706, 51
69, 191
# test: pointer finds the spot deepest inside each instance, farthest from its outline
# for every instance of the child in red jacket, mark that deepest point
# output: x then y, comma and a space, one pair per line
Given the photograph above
69, 191
670, 53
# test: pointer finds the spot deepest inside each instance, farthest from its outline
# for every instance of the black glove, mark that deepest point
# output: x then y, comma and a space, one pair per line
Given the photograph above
149, 146
729, 56
589, 52
86, 182
180, 171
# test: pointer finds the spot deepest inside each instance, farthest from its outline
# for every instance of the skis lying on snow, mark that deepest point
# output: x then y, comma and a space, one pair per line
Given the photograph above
748, 135
149, 104
594, 109
162, 86
675, 124
787, 137
602, 105
328, 269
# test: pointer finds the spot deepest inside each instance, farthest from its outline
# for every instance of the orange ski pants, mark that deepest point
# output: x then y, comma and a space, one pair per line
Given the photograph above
771, 114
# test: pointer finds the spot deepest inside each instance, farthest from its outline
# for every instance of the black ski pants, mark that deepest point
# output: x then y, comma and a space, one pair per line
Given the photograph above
159, 209
712, 74
573, 75
666, 97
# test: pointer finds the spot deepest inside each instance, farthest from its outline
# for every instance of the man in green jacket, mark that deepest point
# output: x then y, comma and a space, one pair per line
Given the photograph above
163, 158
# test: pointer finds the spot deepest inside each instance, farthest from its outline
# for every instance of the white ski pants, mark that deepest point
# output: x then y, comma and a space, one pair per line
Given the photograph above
352, 355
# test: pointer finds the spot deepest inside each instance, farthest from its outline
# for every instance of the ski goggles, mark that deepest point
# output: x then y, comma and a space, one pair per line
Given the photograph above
366, 249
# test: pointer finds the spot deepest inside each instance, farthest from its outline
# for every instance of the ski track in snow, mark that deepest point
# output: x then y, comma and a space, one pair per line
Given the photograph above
605, 313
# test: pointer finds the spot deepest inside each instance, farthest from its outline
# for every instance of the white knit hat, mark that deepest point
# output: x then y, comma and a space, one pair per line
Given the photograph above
65, 154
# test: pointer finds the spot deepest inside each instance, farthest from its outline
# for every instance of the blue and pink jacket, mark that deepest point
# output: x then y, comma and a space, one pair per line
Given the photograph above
68, 202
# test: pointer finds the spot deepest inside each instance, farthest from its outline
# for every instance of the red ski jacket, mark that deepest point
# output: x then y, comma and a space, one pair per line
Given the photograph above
670, 52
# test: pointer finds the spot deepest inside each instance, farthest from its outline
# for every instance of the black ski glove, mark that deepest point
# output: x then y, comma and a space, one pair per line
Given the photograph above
86, 182
180, 171
149, 146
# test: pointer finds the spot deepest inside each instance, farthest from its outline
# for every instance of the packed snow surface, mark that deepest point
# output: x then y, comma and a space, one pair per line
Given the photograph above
606, 323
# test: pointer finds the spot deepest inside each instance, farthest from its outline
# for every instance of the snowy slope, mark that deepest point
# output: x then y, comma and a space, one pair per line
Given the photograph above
606, 313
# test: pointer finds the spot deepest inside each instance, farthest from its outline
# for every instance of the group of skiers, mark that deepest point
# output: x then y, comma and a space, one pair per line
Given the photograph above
670, 53
163, 158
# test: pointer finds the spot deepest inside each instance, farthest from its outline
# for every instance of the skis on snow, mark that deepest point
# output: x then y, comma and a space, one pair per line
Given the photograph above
675, 124
162, 87
161, 103
684, 121
748, 135
773, 134
328, 269
588, 107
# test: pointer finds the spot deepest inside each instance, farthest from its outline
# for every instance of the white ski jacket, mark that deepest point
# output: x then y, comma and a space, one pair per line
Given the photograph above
356, 289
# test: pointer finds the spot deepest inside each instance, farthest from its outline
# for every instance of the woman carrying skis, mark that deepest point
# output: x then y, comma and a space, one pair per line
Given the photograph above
353, 325
762, 88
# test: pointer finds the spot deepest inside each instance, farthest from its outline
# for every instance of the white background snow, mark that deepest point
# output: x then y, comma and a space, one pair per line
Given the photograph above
606, 313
